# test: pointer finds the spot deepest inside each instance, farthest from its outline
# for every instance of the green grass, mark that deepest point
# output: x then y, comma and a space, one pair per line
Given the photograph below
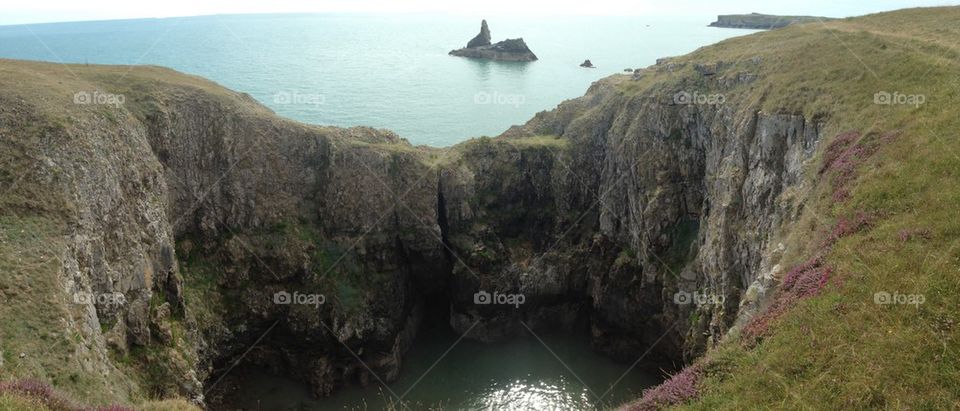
840, 350
10, 402
19, 401
545, 141
537, 141
37, 338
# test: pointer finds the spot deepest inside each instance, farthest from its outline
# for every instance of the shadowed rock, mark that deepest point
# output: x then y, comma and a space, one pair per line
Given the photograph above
483, 38
506, 50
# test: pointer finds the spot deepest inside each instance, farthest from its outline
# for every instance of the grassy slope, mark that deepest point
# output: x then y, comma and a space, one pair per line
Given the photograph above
12, 402
39, 324
839, 349
38, 336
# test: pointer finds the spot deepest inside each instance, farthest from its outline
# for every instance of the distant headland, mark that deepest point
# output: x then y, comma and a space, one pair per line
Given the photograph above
506, 50
762, 21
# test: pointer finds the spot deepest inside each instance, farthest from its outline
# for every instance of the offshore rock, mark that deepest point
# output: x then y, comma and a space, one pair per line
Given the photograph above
506, 50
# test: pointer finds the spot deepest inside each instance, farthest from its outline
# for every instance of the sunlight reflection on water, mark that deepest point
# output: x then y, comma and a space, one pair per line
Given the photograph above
534, 395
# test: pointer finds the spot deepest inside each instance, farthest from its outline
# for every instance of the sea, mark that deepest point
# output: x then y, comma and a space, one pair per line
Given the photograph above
382, 70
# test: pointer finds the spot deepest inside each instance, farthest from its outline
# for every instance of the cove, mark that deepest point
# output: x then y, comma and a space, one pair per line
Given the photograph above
543, 372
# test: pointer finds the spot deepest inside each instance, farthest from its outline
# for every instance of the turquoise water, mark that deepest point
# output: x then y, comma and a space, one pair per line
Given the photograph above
559, 373
386, 71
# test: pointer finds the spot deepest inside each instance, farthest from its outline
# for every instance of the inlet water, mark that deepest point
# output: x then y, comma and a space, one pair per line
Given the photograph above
545, 373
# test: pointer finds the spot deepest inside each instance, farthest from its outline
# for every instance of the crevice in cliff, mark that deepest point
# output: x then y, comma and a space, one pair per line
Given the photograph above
442, 222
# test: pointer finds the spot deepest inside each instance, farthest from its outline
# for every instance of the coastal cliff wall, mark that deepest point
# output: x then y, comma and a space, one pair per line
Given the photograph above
648, 202
145, 244
200, 206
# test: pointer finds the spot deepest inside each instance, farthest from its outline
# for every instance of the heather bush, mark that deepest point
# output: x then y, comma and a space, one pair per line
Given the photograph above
49, 397
38, 390
842, 157
800, 282
681, 387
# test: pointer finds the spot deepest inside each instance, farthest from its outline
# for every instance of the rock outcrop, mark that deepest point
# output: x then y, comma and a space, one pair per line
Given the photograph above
506, 50
588, 64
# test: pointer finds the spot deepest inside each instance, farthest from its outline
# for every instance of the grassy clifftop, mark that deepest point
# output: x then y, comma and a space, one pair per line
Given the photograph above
880, 237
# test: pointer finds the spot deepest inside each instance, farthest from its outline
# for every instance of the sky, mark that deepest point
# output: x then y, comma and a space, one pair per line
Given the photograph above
43, 11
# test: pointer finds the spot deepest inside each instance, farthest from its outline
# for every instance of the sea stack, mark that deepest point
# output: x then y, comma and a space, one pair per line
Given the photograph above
483, 38
586, 63
506, 50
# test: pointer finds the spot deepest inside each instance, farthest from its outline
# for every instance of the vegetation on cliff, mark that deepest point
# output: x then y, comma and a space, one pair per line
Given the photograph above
807, 174
879, 329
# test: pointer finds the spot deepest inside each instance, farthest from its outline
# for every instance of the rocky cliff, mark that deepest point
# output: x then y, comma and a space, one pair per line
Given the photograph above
651, 216
200, 207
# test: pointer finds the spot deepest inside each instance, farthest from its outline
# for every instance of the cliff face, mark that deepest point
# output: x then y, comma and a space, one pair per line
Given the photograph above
200, 207
162, 238
173, 235
332, 215
648, 203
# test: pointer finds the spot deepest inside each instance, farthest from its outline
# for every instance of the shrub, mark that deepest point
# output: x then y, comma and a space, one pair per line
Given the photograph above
49, 397
679, 388
845, 153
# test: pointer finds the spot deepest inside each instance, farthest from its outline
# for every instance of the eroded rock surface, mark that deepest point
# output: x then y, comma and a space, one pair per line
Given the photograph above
202, 207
